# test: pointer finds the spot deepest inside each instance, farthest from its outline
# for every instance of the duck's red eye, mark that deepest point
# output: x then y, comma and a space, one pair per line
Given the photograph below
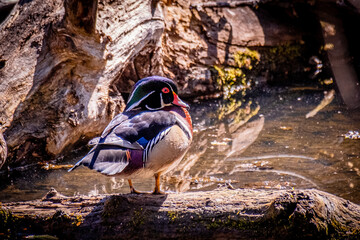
165, 90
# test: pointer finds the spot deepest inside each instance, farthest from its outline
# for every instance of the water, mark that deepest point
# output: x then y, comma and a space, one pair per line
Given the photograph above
276, 148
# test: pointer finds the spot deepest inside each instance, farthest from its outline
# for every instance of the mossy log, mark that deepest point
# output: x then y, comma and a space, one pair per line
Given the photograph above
223, 213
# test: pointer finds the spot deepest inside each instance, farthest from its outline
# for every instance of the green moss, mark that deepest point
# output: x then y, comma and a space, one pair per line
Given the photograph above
172, 216
337, 230
4, 217
234, 79
138, 218
284, 53
246, 58
281, 63
77, 220
7, 223
230, 223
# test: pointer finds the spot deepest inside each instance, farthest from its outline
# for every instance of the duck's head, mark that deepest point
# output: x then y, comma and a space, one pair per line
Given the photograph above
154, 93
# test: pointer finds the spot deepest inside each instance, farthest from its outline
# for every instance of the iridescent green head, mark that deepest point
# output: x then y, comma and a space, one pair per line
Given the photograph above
154, 93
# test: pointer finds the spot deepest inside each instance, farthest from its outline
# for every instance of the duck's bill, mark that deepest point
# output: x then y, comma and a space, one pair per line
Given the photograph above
178, 102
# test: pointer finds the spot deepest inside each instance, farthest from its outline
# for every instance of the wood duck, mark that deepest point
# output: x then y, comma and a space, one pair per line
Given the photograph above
148, 139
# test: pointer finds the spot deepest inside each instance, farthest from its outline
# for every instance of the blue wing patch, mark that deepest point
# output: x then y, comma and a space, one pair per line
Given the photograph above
142, 141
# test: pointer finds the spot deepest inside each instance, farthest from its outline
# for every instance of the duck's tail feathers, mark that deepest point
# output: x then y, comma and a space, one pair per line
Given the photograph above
84, 159
108, 159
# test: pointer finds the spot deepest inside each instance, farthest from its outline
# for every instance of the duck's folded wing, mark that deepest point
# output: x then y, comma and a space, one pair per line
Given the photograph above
116, 121
107, 159
111, 152
109, 156
113, 140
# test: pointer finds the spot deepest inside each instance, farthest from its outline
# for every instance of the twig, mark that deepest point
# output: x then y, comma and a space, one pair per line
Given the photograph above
231, 4
329, 96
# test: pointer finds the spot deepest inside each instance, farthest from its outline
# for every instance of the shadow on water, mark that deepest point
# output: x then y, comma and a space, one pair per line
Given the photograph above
266, 142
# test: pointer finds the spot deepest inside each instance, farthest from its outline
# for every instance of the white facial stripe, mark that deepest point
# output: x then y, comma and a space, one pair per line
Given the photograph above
162, 104
162, 101
150, 108
138, 102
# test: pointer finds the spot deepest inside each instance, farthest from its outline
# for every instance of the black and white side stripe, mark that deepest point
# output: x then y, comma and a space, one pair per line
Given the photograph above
150, 145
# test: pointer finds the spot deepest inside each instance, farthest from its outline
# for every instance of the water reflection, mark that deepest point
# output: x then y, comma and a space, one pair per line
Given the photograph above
280, 148
238, 144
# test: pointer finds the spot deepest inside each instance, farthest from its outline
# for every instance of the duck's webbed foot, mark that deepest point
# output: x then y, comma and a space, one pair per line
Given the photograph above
133, 190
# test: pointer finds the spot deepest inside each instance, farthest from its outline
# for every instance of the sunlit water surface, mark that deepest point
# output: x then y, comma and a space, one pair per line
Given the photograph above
277, 148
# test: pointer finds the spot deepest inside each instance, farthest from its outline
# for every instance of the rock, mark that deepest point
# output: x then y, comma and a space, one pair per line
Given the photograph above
196, 40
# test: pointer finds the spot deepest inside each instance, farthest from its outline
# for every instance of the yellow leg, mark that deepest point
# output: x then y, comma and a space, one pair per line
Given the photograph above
132, 189
157, 189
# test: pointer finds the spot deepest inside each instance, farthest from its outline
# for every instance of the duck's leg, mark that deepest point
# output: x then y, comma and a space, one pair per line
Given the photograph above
157, 189
132, 189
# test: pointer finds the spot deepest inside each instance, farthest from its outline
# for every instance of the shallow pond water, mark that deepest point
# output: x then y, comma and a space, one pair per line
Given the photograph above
266, 143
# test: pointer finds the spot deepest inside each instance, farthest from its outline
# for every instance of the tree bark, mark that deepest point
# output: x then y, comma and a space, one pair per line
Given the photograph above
60, 64
223, 213
339, 55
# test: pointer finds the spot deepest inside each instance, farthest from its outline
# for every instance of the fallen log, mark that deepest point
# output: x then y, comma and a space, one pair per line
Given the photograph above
223, 213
